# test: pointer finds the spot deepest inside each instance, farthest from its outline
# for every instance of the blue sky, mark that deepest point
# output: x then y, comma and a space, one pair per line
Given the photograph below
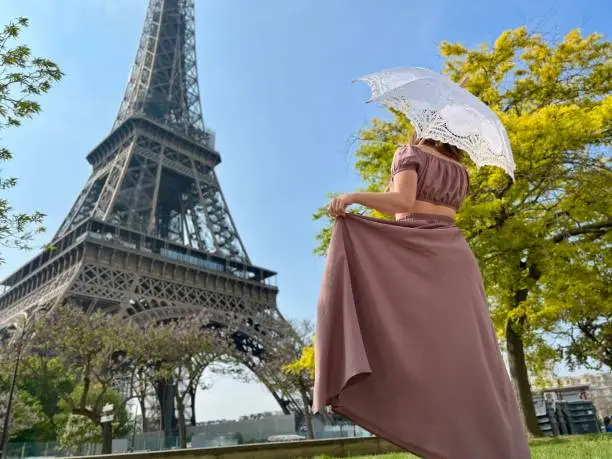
275, 85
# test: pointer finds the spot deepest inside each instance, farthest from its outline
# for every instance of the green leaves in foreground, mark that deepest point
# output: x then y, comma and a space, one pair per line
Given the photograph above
22, 78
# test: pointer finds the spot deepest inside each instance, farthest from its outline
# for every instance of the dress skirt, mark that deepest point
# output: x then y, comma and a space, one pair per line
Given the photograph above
405, 347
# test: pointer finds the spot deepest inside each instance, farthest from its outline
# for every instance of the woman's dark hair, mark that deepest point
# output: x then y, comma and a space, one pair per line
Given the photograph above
444, 148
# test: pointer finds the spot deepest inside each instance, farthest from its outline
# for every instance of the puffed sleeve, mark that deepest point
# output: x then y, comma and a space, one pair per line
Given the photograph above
406, 158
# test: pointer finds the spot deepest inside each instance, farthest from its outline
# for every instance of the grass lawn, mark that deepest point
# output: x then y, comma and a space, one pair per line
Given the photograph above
581, 447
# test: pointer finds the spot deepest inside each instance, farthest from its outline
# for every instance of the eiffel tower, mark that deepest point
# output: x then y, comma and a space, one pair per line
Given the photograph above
150, 236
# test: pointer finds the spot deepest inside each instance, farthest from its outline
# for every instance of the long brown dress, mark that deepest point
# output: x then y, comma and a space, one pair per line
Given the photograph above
404, 344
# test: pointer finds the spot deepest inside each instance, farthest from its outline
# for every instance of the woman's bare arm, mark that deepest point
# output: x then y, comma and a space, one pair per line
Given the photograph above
400, 200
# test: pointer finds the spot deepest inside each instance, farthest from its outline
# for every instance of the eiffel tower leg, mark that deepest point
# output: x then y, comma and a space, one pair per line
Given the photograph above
283, 403
165, 395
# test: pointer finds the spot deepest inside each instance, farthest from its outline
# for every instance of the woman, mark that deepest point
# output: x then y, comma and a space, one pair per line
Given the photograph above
405, 347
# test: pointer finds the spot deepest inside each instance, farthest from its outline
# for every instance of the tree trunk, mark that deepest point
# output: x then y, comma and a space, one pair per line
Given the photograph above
107, 438
307, 414
520, 378
192, 395
516, 356
143, 413
309, 427
6, 430
182, 424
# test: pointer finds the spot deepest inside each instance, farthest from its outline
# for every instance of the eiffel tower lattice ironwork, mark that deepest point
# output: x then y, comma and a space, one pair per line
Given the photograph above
150, 236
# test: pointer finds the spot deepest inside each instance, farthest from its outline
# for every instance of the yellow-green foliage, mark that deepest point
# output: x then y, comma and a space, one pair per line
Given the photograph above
304, 365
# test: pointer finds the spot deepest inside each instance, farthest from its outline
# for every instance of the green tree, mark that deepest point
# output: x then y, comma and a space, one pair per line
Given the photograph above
142, 376
577, 315
26, 413
539, 238
77, 431
94, 349
86, 428
178, 353
48, 382
22, 78
299, 372
290, 364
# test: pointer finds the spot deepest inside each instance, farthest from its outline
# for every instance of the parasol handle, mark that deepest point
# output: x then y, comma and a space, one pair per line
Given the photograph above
464, 80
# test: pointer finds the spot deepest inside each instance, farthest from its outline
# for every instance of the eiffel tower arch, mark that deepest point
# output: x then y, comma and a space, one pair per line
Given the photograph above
151, 236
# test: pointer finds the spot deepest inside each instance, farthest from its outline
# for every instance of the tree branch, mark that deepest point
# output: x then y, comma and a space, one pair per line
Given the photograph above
591, 228
87, 413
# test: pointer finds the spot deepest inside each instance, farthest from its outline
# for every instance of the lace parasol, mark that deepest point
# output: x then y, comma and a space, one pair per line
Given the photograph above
442, 110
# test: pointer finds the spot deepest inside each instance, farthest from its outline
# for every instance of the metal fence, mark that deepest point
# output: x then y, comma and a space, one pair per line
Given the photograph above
205, 436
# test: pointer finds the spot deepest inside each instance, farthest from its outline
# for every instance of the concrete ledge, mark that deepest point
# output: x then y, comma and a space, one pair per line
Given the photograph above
341, 447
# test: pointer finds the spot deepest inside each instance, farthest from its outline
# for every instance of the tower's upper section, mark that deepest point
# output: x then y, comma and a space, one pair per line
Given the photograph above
163, 84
